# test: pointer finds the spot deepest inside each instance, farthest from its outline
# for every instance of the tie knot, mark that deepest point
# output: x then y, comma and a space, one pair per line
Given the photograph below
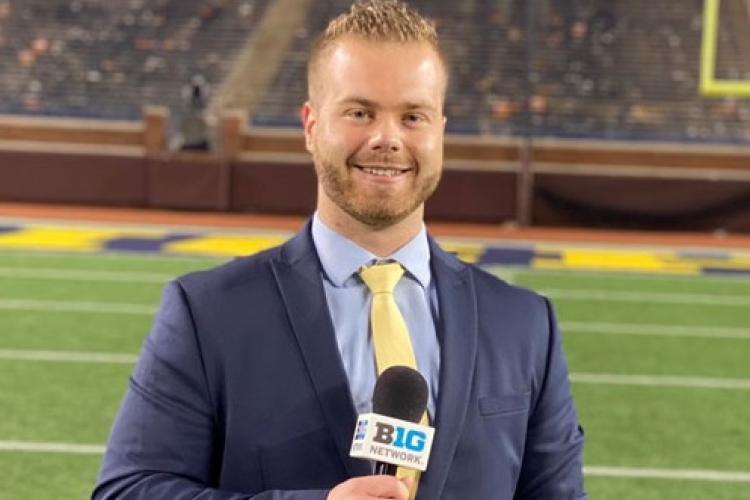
382, 278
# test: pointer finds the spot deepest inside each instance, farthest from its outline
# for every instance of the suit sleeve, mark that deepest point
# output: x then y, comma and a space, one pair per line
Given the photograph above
553, 459
163, 443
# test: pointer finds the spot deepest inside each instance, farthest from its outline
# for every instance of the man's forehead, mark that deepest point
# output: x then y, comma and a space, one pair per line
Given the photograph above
415, 62
352, 47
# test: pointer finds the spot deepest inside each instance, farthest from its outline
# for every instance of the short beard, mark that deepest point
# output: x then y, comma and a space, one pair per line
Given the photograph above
377, 214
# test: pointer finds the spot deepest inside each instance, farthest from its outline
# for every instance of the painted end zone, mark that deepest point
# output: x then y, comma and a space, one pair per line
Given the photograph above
84, 239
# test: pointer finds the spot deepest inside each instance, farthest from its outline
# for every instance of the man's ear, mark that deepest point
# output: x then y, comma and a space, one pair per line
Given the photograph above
309, 120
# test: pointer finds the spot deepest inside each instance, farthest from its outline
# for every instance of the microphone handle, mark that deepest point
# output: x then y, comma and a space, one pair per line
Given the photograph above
384, 469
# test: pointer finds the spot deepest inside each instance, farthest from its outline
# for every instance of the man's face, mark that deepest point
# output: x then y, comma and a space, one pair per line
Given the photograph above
375, 127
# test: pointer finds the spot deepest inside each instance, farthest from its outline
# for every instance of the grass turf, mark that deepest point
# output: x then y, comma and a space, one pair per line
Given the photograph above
660, 489
663, 427
47, 476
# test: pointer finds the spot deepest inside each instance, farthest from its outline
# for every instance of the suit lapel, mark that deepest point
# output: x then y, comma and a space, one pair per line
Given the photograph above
297, 273
458, 340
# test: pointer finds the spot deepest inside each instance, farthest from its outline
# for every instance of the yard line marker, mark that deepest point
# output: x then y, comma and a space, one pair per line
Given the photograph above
41, 447
76, 307
660, 381
595, 274
83, 275
68, 356
588, 470
649, 473
709, 332
646, 297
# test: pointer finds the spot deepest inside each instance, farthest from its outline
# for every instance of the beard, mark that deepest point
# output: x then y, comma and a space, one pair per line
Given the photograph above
377, 210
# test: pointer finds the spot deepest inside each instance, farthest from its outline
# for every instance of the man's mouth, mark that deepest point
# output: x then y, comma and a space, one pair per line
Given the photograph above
383, 171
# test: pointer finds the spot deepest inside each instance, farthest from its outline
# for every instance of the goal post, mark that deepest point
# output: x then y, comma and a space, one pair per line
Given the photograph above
710, 86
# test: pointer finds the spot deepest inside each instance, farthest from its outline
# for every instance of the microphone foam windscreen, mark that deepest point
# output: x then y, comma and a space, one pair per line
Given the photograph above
400, 392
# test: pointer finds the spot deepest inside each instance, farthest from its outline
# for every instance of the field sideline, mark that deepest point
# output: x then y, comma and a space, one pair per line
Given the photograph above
657, 337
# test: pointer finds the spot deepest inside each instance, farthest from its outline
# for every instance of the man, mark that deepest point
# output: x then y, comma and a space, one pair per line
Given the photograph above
249, 383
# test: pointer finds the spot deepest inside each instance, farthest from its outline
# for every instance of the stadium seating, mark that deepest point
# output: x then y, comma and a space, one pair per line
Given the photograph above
95, 58
587, 69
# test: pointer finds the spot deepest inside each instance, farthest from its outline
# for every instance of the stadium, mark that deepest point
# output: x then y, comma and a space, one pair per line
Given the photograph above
596, 151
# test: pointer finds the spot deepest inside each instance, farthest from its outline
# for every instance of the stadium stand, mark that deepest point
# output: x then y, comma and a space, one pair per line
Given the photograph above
597, 69
94, 58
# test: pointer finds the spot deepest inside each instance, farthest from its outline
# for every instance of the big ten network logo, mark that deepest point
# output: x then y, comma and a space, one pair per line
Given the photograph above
393, 441
399, 437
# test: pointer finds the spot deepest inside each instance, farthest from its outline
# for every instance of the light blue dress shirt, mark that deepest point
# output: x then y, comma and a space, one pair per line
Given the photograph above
349, 304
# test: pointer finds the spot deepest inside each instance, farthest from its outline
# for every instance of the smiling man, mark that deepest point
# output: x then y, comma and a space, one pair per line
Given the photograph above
374, 125
252, 376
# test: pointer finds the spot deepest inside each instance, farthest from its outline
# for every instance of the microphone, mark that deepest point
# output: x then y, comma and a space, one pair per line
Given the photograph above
400, 392
391, 435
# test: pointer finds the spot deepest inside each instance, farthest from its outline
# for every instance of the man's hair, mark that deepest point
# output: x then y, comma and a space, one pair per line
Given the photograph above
375, 20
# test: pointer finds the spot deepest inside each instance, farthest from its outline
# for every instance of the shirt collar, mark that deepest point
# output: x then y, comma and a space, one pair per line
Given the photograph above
341, 257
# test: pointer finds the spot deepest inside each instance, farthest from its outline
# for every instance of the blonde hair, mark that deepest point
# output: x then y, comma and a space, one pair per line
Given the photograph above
375, 20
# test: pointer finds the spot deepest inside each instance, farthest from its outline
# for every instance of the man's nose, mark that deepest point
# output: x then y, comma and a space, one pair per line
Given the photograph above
386, 137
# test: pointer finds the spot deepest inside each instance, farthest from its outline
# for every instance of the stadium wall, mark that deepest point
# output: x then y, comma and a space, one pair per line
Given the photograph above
574, 183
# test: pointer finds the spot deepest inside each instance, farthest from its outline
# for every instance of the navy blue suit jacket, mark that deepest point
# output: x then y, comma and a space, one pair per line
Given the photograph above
240, 392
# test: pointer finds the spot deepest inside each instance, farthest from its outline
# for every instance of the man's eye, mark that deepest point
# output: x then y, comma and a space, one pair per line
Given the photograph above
359, 114
414, 118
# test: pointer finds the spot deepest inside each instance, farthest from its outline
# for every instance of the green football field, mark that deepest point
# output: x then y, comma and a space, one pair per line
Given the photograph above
660, 368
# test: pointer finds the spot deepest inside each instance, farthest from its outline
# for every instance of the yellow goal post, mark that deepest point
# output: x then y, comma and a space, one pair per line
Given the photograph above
710, 86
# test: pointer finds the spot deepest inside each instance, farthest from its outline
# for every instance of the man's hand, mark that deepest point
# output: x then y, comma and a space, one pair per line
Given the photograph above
369, 487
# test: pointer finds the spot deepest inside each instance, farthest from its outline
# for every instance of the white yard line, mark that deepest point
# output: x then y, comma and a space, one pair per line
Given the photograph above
41, 447
589, 470
554, 293
683, 474
575, 377
558, 294
647, 297
68, 356
660, 381
655, 330
76, 307
598, 274
82, 275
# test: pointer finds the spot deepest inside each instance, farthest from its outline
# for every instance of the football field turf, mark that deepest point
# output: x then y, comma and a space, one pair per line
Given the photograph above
660, 366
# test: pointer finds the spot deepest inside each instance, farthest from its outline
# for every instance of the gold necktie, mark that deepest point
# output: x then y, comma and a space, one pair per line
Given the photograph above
390, 336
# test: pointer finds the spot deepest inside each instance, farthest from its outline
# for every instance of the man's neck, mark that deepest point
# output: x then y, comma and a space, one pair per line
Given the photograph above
380, 241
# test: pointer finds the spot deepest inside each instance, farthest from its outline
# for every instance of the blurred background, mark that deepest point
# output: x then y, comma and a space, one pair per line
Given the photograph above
598, 151
560, 113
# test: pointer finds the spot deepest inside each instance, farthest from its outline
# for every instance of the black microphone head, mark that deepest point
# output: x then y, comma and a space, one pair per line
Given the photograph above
400, 392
